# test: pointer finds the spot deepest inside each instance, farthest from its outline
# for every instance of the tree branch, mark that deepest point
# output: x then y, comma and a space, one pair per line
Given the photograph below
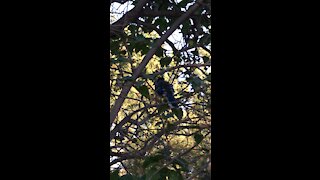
153, 27
175, 67
118, 26
155, 13
118, 1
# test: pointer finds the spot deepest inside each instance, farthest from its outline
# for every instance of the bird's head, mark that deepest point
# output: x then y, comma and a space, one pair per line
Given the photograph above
159, 79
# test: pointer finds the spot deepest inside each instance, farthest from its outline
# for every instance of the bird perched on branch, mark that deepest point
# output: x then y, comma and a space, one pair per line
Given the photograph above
165, 89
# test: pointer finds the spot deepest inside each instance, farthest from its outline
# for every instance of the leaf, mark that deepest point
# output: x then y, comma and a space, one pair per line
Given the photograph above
142, 177
120, 138
112, 61
170, 127
206, 39
176, 58
185, 27
205, 59
114, 175
122, 59
164, 172
158, 124
162, 23
206, 150
198, 137
167, 116
141, 45
127, 78
184, 3
163, 108
182, 163
178, 112
174, 175
144, 49
209, 77
191, 43
128, 177
132, 29
152, 175
114, 46
144, 91
151, 160
165, 61
139, 38
196, 82
131, 46
166, 152
159, 52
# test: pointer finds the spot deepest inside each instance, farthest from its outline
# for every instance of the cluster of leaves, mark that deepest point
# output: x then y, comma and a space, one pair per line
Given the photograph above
148, 139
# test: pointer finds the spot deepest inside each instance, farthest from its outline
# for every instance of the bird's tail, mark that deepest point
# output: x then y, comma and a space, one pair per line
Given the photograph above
172, 101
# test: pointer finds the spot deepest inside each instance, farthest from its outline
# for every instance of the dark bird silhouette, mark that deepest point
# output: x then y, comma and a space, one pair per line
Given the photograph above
165, 89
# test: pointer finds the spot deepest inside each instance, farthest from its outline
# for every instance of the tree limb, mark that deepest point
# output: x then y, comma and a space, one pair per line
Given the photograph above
176, 67
117, 27
155, 13
118, 1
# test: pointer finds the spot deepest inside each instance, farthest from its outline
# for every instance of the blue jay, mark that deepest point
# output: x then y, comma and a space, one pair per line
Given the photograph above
163, 88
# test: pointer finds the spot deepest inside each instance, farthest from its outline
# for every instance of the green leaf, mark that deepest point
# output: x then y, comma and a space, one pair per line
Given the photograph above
131, 46
142, 177
162, 23
170, 127
159, 52
144, 49
198, 138
152, 175
112, 61
174, 175
132, 29
151, 160
176, 58
120, 138
114, 175
164, 172
182, 163
165, 61
127, 78
114, 47
178, 112
166, 152
196, 82
205, 59
184, 3
140, 38
128, 177
122, 59
209, 77
185, 27
206, 150
158, 123
163, 108
144, 91
206, 39
191, 43
167, 116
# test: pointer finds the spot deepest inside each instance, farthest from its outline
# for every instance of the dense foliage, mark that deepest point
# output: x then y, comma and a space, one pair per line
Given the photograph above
151, 39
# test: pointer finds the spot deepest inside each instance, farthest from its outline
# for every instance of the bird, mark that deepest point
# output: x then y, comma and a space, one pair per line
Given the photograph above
165, 89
